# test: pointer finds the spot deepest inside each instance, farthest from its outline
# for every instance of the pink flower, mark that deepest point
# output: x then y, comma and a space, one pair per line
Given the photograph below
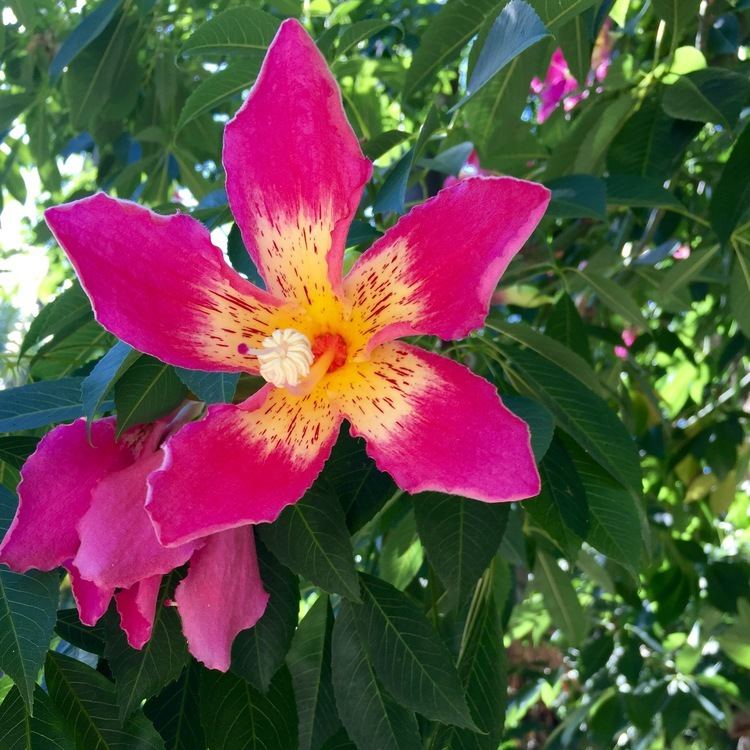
82, 506
472, 168
629, 335
682, 252
559, 83
326, 344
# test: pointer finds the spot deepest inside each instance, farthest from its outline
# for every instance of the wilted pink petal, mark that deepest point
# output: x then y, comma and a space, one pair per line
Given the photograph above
434, 271
91, 600
52, 499
137, 608
295, 171
159, 284
118, 543
432, 424
221, 596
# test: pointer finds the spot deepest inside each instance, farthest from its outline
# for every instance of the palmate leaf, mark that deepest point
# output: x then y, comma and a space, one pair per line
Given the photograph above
538, 418
408, 655
15, 449
40, 404
42, 731
556, 13
582, 414
371, 716
309, 662
461, 537
58, 358
211, 387
110, 368
234, 715
175, 712
615, 297
483, 671
70, 628
28, 604
310, 537
577, 43
148, 390
258, 653
578, 196
358, 32
236, 31
731, 196
139, 674
442, 42
87, 702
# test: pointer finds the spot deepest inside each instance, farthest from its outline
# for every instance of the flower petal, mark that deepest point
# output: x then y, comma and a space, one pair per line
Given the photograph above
158, 283
295, 171
137, 608
241, 464
118, 542
43, 534
434, 272
221, 595
91, 600
434, 425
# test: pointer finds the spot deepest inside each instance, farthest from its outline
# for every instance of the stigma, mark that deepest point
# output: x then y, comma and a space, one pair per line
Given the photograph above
285, 357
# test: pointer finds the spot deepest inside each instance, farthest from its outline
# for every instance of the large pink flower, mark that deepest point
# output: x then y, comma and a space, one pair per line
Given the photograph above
326, 344
82, 506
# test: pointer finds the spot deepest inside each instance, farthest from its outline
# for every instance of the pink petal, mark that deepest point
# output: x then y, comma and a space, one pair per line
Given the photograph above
118, 542
294, 168
434, 272
91, 600
137, 608
434, 425
55, 492
159, 284
221, 595
241, 464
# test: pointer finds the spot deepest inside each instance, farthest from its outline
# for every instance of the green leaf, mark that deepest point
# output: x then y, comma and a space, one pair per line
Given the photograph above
584, 147
59, 358
70, 628
637, 191
211, 387
60, 318
461, 537
92, 25
538, 418
709, 95
578, 196
40, 404
408, 655
28, 604
482, 667
258, 653
561, 510
565, 325
371, 716
175, 712
615, 298
677, 14
148, 390
577, 43
11, 106
43, 731
361, 488
15, 449
615, 524
310, 537
401, 555
560, 598
650, 143
556, 13
140, 674
380, 144
234, 715
242, 30
739, 295
359, 31
219, 87
86, 700
684, 271
89, 83
550, 349
448, 32
582, 414
731, 196
110, 368
309, 662
516, 28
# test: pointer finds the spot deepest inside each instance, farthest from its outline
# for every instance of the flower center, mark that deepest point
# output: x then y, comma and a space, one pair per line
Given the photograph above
285, 358
288, 360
